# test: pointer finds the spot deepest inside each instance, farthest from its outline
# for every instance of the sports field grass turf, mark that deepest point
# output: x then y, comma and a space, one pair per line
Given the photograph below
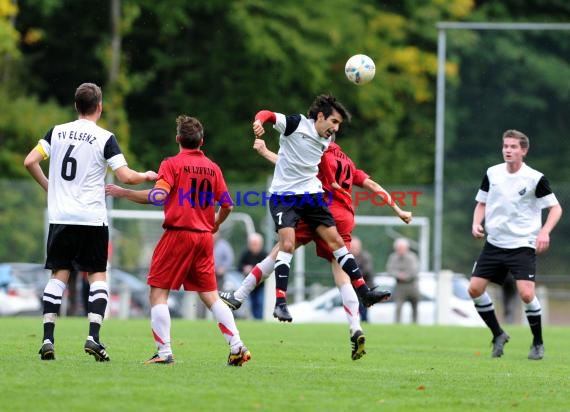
295, 367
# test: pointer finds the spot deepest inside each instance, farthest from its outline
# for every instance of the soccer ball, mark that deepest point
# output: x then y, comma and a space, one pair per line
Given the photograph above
360, 69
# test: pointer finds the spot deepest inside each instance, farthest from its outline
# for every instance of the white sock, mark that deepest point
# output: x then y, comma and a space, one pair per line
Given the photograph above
160, 324
483, 303
246, 287
250, 282
226, 323
351, 305
533, 308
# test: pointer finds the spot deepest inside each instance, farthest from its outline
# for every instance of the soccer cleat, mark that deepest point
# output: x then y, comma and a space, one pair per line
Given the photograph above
281, 312
169, 359
97, 350
498, 345
358, 340
374, 296
240, 357
536, 352
47, 351
229, 299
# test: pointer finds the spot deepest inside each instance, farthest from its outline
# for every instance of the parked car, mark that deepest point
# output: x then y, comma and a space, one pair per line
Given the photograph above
121, 282
20, 290
327, 307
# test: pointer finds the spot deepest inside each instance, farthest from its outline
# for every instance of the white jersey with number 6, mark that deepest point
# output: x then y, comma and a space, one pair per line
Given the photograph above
79, 152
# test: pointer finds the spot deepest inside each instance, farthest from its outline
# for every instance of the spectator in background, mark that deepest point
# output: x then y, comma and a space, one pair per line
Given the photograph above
403, 264
510, 301
249, 258
223, 258
364, 261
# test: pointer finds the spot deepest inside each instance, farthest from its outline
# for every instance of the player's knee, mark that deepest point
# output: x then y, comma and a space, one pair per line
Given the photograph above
287, 246
527, 295
475, 291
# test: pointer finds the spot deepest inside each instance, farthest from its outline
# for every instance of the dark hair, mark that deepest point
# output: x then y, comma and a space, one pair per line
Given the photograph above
190, 132
523, 139
326, 103
87, 97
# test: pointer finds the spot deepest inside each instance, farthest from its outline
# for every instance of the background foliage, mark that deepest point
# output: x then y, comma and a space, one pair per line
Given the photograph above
223, 60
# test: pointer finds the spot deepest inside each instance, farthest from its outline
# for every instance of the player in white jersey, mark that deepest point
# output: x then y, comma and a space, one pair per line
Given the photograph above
297, 193
80, 153
510, 200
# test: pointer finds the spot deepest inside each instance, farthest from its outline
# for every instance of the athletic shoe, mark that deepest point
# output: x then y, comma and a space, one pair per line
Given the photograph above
229, 299
498, 344
357, 341
169, 359
97, 350
536, 352
47, 351
374, 296
240, 357
281, 312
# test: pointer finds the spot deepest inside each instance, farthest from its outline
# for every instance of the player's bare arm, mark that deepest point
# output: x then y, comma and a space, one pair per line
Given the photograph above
139, 196
130, 177
221, 215
477, 229
261, 148
543, 237
371, 185
32, 163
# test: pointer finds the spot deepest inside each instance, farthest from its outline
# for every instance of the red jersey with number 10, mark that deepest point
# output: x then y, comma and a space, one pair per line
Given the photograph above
197, 187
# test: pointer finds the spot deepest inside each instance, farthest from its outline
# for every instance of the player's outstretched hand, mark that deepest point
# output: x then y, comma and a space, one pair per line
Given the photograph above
115, 191
405, 216
151, 176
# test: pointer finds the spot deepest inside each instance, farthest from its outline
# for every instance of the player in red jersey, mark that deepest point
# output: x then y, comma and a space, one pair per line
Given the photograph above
338, 174
188, 185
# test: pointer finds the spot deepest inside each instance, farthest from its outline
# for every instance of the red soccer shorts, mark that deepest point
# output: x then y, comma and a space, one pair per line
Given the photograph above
183, 258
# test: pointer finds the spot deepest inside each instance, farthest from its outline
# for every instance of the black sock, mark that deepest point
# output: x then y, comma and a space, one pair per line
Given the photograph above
535, 323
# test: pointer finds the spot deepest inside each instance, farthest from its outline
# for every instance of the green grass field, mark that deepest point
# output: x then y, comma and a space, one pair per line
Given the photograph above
295, 367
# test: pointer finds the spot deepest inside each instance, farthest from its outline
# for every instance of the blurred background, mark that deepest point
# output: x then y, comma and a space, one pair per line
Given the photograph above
223, 60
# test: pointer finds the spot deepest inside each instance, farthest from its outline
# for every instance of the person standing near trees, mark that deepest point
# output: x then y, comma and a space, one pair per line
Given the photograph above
403, 265
80, 153
510, 202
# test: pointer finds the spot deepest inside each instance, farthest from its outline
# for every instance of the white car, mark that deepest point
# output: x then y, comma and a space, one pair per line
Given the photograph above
327, 307
18, 294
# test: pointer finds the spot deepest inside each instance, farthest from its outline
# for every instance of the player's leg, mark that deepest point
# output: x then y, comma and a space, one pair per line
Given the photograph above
60, 252
488, 267
346, 260
52, 296
523, 268
351, 306
257, 275
91, 257
160, 323
171, 262
239, 354
285, 213
282, 270
96, 307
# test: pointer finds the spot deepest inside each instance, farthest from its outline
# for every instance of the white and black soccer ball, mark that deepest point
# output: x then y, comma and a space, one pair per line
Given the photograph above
360, 69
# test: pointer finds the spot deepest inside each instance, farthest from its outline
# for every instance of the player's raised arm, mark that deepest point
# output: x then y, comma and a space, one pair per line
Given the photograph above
260, 118
376, 188
261, 148
130, 177
159, 193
